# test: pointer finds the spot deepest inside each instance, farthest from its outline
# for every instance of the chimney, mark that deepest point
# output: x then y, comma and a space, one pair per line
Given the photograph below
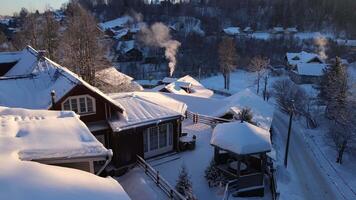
41, 54
53, 97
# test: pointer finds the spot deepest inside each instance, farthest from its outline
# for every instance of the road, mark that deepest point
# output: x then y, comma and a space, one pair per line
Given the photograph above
314, 184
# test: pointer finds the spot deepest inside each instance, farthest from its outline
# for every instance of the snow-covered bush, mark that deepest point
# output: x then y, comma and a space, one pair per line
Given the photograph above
245, 115
184, 184
213, 175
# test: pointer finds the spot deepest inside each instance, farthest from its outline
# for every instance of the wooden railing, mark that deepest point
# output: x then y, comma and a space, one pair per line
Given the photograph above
159, 180
273, 184
204, 119
243, 182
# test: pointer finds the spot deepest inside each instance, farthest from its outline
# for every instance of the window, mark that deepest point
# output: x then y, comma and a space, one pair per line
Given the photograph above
162, 136
158, 139
153, 138
83, 104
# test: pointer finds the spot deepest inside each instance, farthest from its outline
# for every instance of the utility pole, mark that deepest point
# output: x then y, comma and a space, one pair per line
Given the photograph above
288, 137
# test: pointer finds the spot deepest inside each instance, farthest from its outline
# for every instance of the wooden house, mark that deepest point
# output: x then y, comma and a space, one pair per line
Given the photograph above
304, 67
151, 124
35, 82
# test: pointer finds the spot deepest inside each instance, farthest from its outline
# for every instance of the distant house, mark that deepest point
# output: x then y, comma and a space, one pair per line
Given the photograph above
117, 23
305, 68
110, 80
307, 73
185, 85
35, 82
128, 51
240, 152
49, 155
232, 31
277, 30
248, 30
293, 59
291, 30
150, 126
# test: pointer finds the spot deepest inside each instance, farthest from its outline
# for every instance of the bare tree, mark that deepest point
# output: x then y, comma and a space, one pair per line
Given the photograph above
343, 131
290, 97
259, 64
50, 34
30, 32
227, 59
81, 49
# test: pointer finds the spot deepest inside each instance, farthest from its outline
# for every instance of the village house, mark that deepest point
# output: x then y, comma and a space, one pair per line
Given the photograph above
304, 67
232, 31
277, 30
49, 155
128, 51
185, 85
151, 126
248, 30
42, 84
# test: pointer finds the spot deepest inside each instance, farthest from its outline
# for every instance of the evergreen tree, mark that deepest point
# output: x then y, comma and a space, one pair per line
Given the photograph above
184, 185
212, 174
333, 89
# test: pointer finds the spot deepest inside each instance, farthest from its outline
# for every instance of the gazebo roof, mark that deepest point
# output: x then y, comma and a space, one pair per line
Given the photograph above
241, 138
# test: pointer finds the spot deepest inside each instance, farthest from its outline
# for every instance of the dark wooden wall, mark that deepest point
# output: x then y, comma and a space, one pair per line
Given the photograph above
129, 143
100, 104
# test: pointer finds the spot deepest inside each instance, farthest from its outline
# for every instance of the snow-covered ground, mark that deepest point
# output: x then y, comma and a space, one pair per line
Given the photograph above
312, 172
196, 161
239, 80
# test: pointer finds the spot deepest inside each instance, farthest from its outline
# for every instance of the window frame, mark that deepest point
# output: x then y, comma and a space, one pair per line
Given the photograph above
77, 97
168, 140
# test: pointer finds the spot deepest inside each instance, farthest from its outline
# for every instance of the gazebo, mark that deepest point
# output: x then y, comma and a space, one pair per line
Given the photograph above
240, 153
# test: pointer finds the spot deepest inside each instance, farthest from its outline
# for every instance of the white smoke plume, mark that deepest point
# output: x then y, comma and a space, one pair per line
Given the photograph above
158, 35
321, 43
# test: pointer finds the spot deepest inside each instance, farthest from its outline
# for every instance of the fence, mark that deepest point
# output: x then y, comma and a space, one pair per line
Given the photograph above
250, 181
273, 182
198, 118
159, 180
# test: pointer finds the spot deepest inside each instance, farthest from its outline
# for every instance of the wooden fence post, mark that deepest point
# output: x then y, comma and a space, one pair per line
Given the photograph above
157, 177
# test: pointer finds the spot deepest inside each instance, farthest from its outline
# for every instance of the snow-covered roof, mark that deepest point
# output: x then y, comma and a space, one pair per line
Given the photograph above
292, 29
120, 33
176, 86
241, 138
278, 29
125, 46
38, 78
262, 111
168, 80
33, 134
247, 29
145, 108
49, 134
349, 43
112, 76
302, 57
118, 22
310, 69
232, 30
26, 61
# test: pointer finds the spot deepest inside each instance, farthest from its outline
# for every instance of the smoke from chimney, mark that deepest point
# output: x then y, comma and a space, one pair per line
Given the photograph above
158, 35
321, 42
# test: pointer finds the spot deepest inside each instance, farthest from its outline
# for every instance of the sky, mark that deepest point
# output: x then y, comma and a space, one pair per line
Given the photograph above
8, 7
